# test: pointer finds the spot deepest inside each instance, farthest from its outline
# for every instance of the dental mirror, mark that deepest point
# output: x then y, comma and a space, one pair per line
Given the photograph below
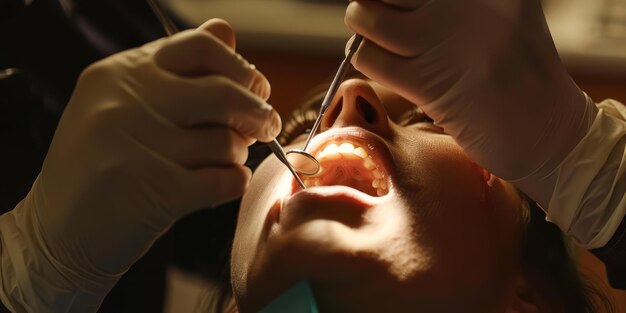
303, 162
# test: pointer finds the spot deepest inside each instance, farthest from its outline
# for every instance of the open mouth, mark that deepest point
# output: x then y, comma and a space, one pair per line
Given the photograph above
350, 162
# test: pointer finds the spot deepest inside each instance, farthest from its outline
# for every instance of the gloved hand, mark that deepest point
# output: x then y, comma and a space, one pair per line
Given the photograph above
150, 134
487, 72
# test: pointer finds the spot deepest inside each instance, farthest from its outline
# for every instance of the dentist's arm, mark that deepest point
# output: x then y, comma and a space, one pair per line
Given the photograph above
150, 135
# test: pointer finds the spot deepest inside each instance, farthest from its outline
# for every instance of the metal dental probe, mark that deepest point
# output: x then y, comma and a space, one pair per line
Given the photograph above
301, 159
334, 86
165, 20
170, 29
280, 154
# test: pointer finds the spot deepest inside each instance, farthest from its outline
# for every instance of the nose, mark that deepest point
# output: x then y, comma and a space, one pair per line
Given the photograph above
357, 104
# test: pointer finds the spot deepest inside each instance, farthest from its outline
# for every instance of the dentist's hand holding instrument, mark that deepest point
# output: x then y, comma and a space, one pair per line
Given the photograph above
487, 72
150, 135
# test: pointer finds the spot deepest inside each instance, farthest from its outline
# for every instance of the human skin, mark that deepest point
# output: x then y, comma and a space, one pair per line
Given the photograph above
444, 237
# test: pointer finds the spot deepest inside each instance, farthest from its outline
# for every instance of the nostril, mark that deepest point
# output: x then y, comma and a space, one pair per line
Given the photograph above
367, 110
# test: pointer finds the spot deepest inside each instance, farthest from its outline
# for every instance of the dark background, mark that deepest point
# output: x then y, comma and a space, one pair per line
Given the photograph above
43, 48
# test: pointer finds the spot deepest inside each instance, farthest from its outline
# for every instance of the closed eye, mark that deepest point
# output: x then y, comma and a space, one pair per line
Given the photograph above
421, 117
414, 116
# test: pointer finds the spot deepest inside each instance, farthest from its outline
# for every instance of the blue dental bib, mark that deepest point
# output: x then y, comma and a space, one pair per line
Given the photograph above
297, 299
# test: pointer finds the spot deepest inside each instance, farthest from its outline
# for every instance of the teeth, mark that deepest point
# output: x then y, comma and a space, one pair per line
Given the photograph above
383, 184
376, 183
377, 174
312, 182
308, 183
331, 149
361, 152
346, 148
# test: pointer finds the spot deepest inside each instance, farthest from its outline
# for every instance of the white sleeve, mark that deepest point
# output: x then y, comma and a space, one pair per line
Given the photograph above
31, 280
589, 201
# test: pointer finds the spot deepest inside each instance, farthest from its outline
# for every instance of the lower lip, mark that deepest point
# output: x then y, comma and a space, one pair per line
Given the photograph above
337, 195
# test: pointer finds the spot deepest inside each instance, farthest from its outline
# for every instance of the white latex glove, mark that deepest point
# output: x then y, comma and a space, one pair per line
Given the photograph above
487, 72
150, 134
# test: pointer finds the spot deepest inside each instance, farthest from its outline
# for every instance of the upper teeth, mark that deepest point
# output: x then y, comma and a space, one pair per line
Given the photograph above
344, 148
350, 150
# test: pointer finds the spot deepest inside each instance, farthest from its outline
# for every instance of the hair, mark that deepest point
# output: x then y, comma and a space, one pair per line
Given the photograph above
547, 256
548, 261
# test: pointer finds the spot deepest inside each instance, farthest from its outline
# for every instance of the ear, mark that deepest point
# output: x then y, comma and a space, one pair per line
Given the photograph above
488, 177
521, 297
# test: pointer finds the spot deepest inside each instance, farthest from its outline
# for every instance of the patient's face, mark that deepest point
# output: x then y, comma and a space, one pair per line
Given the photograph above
399, 219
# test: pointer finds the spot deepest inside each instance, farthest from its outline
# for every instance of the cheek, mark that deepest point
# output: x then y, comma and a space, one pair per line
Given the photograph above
452, 208
269, 184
